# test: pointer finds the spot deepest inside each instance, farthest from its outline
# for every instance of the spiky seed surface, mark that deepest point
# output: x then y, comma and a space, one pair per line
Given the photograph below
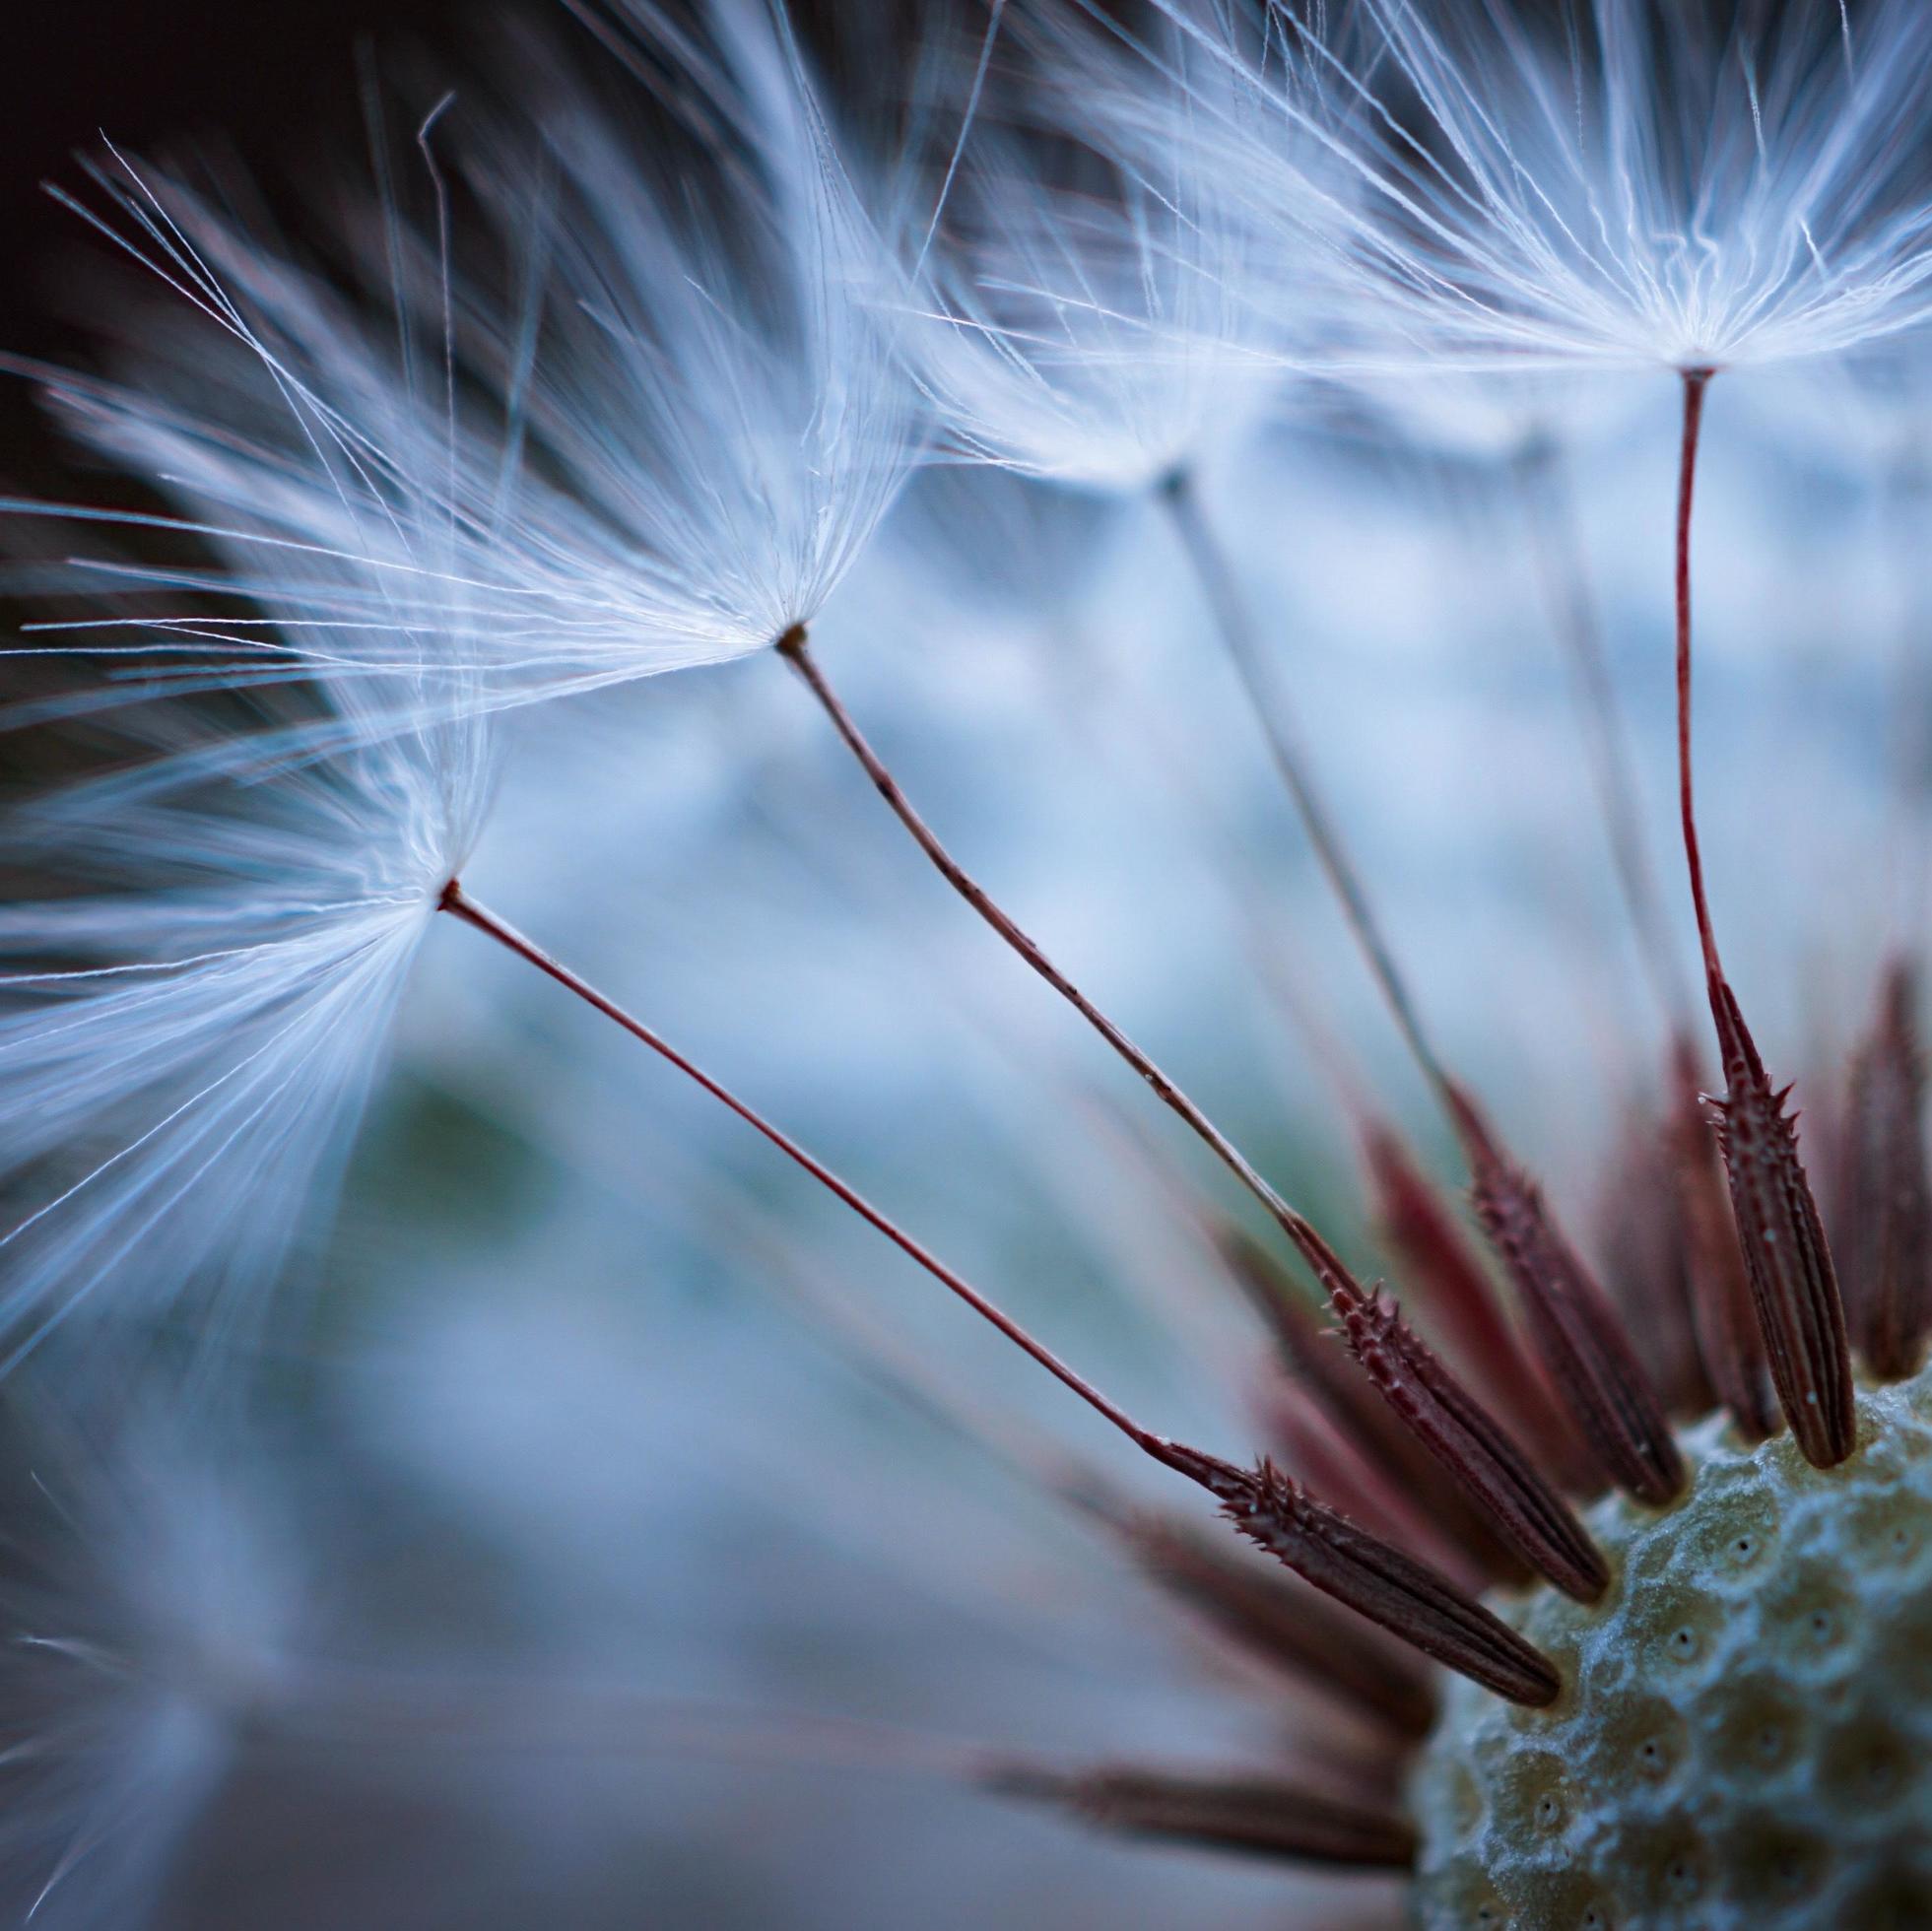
1744, 1737
1787, 1260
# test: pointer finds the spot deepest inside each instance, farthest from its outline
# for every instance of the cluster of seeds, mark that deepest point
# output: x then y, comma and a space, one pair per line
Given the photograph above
1715, 1708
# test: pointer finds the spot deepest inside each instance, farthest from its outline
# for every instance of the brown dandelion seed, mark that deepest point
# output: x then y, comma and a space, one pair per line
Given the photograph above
1884, 1227
1359, 1410
1442, 1269
1278, 1618
1406, 1597
1787, 1263
1575, 1331
1723, 1316
1518, 1502
1267, 1816
1578, 1334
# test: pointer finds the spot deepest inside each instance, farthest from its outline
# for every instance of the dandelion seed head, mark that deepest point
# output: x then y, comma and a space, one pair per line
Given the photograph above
675, 454
360, 499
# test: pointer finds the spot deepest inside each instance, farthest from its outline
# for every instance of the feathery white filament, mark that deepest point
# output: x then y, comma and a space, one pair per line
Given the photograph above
187, 1032
190, 1017
1098, 310
1619, 183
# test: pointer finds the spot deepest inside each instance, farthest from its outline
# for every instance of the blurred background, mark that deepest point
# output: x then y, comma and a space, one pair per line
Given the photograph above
631, 1540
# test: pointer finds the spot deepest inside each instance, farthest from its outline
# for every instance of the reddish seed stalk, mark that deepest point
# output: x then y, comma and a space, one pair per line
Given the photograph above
1405, 1596
1696, 382
1558, 550
456, 902
792, 646
1725, 1305
1272, 715
1713, 1291
1787, 1262
1586, 1350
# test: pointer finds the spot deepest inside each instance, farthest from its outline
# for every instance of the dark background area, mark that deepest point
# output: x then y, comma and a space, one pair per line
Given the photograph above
270, 80
273, 84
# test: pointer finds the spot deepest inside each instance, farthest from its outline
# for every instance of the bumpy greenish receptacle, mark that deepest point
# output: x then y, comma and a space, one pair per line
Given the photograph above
1745, 1735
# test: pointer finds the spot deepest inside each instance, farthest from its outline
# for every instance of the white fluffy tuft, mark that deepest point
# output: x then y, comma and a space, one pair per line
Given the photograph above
1617, 184
1099, 309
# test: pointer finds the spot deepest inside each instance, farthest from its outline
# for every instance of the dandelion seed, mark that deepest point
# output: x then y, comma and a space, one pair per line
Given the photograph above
1436, 1257
1725, 1326
1353, 1565
721, 399
358, 509
1886, 1223
1405, 1456
1577, 1333
1455, 1428
1270, 1616
1633, 234
1787, 1263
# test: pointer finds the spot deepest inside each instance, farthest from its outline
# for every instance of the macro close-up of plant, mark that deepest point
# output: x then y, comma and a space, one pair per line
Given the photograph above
963, 963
